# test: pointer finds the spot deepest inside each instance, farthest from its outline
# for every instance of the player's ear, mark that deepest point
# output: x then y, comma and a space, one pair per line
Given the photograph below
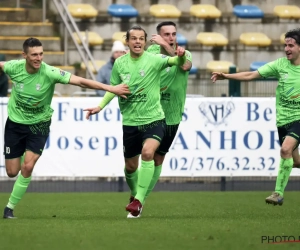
24, 54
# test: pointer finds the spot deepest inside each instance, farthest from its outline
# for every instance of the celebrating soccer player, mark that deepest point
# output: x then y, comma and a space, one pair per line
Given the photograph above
143, 116
173, 85
287, 71
29, 112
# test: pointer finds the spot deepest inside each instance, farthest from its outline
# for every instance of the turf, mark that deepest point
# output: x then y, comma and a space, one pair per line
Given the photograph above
170, 220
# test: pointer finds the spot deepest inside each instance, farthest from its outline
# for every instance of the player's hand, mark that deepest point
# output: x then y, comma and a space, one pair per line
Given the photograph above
92, 111
217, 76
180, 51
121, 90
157, 39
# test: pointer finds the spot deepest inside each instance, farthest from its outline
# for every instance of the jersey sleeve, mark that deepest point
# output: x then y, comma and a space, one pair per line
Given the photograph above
59, 75
188, 55
161, 61
9, 66
115, 78
154, 49
269, 69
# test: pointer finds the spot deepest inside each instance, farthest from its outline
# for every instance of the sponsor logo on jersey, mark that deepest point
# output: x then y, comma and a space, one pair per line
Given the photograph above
284, 76
142, 72
295, 96
164, 88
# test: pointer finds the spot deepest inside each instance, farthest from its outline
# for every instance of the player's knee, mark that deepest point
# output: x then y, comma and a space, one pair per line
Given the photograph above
286, 152
157, 162
158, 159
11, 173
27, 169
147, 154
130, 168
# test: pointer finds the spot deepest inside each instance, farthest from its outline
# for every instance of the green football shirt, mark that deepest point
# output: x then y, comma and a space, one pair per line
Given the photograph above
287, 91
142, 75
31, 95
173, 85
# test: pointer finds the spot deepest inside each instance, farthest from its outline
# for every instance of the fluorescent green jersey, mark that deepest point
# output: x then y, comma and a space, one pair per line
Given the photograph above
32, 94
173, 85
287, 91
142, 75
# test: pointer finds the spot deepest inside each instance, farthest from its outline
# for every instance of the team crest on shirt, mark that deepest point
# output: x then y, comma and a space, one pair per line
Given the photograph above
38, 86
284, 76
18, 86
168, 69
125, 78
62, 72
142, 73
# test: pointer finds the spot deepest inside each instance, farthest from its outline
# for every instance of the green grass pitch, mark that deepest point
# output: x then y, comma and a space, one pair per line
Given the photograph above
170, 220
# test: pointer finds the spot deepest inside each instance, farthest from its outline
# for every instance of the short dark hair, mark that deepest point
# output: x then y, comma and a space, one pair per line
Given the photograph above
136, 27
31, 42
167, 23
295, 34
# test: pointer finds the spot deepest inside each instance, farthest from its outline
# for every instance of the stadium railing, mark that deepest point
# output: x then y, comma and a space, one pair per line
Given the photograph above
71, 27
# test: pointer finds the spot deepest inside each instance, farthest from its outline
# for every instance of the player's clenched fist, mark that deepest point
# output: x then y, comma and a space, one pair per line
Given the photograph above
180, 51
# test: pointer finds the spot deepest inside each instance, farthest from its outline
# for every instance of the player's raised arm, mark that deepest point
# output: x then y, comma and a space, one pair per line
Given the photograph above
188, 62
157, 39
120, 90
242, 76
178, 60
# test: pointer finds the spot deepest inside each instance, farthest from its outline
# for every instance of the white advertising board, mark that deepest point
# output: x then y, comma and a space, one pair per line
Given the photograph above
217, 137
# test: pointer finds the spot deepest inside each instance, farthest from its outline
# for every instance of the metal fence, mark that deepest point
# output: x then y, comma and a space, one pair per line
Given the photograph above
118, 184
259, 88
202, 85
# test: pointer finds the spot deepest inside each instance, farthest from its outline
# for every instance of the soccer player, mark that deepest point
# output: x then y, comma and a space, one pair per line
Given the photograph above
29, 112
173, 86
143, 116
287, 71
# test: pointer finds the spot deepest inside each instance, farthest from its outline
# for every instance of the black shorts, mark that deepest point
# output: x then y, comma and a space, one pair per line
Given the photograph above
168, 139
290, 129
134, 136
20, 137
